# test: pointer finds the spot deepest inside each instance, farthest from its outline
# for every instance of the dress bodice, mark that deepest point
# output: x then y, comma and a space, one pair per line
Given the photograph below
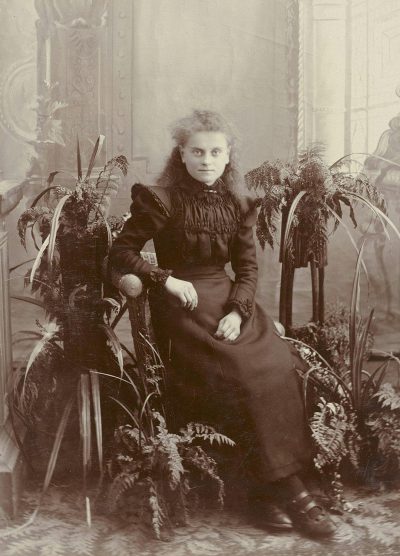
200, 227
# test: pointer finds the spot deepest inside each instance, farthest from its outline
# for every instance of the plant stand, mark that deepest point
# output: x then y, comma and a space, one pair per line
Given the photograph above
301, 258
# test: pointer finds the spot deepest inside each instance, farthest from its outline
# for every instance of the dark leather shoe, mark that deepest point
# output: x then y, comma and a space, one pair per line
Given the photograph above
273, 517
310, 518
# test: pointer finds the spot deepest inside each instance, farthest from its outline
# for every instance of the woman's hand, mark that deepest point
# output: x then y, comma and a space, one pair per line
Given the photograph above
184, 291
229, 327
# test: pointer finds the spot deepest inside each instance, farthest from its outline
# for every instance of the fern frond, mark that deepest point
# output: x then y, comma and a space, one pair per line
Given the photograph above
121, 484
158, 514
194, 431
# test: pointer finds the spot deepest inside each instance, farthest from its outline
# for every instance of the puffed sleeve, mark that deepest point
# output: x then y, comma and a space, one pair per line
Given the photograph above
244, 263
147, 218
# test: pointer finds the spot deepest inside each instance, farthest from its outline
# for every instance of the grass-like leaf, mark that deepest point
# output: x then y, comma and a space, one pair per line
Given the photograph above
380, 214
128, 411
354, 305
96, 397
78, 159
28, 299
56, 446
39, 258
47, 190
339, 160
116, 346
357, 371
49, 334
55, 223
96, 149
12, 268
352, 240
289, 221
85, 423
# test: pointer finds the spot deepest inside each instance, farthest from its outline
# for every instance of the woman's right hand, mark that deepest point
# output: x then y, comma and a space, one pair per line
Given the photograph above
184, 291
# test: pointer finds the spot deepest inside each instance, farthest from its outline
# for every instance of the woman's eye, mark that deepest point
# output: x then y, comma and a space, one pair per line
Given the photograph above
216, 152
196, 152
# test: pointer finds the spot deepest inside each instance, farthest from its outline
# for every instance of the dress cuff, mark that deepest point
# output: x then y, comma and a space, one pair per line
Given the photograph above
243, 306
158, 277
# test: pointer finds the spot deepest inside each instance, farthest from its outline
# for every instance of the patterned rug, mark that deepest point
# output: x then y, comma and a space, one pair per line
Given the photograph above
60, 529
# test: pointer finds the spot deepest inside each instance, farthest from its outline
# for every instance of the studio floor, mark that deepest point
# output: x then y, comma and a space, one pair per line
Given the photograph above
60, 529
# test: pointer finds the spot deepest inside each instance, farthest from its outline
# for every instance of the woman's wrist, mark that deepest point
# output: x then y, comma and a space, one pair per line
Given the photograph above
236, 313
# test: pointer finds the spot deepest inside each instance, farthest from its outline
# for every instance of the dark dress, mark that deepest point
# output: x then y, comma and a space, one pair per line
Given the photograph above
253, 377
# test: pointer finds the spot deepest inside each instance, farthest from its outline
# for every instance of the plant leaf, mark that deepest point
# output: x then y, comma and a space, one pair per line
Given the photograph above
131, 415
381, 215
11, 269
55, 223
27, 299
289, 221
355, 295
357, 370
78, 159
56, 446
38, 348
116, 346
96, 149
350, 237
96, 397
364, 154
38, 258
36, 199
85, 423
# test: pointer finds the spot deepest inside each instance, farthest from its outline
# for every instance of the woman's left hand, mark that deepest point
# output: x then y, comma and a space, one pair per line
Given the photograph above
229, 327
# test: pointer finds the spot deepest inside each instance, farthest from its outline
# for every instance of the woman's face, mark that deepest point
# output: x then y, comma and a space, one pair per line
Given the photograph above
205, 155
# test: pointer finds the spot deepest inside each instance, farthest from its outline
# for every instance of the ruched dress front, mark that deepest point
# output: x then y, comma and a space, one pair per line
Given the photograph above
201, 230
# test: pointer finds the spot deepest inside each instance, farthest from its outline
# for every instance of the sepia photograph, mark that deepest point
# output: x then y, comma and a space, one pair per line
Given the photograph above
199, 277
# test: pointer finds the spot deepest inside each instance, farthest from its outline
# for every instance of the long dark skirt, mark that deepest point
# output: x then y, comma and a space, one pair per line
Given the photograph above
250, 384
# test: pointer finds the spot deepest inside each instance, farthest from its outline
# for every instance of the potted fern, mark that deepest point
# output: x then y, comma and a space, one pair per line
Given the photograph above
354, 414
307, 195
153, 472
72, 226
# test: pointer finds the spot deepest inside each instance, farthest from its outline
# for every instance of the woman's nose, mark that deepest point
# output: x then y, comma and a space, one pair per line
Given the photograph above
207, 158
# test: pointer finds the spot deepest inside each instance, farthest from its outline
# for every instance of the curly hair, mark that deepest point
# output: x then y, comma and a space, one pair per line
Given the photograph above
201, 120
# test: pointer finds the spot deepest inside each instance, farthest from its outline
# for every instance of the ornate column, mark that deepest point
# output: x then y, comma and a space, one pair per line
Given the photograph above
329, 71
10, 465
71, 52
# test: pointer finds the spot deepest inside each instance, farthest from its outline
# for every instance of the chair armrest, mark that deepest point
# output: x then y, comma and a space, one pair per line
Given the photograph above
130, 285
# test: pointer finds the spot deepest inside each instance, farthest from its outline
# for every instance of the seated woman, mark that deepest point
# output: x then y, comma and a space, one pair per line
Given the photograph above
226, 353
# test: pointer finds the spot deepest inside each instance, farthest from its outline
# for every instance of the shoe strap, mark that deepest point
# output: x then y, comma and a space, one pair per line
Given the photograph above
309, 506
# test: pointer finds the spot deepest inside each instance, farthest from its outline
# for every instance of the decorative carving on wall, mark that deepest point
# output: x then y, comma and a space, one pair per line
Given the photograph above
72, 13
121, 39
17, 98
71, 37
292, 38
82, 88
